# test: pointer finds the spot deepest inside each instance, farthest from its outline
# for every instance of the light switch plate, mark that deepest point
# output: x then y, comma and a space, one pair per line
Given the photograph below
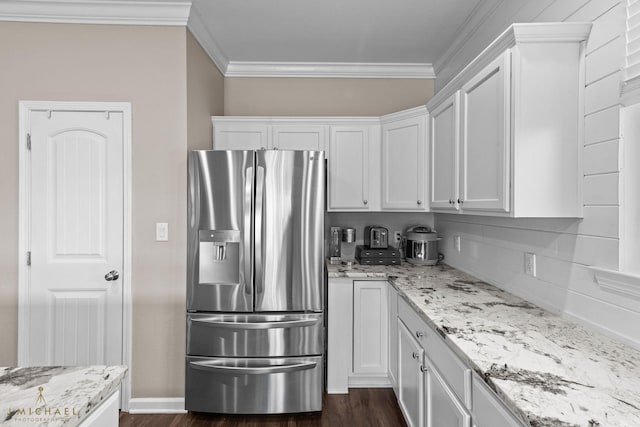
162, 232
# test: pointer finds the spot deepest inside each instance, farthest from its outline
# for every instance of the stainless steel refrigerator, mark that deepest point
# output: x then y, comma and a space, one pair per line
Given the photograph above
255, 293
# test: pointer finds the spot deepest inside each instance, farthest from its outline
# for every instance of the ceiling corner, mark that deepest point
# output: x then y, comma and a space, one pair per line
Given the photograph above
199, 29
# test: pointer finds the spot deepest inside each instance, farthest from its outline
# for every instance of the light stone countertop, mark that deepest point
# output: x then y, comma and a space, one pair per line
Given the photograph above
54, 395
549, 370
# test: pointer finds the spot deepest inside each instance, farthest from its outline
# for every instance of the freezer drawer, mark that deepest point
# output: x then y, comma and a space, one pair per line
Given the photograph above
254, 386
254, 335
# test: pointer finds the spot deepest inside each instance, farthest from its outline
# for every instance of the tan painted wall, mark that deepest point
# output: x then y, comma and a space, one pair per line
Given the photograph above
145, 66
252, 96
205, 93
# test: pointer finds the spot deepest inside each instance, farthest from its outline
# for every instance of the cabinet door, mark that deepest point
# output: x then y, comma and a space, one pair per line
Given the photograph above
393, 338
484, 146
370, 322
240, 137
404, 161
303, 137
349, 168
443, 144
442, 407
410, 377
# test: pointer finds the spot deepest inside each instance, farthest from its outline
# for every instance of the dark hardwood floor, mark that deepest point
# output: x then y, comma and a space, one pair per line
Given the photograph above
361, 407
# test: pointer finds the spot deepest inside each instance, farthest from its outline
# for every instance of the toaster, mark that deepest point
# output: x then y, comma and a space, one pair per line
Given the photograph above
376, 237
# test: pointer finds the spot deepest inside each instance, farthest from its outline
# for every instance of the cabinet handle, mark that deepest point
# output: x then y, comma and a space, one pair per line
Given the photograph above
262, 148
419, 202
415, 355
365, 201
275, 148
419, 334
450, 201
423, 368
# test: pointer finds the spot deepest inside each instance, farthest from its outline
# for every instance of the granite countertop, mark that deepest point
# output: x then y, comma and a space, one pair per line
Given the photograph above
549, 370
54, 395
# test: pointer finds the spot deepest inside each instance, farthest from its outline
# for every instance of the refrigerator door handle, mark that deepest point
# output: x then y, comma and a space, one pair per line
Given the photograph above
255, 370
216, 322
257, 246
248, 230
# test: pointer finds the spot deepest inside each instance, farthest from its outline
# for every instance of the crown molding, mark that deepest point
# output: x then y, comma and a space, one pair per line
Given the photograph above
329, 69
198, 27
617, 282
173, 13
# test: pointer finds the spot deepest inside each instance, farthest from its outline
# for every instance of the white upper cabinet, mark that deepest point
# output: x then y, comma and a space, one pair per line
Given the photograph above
267, 133
404, 161
521, 120
240, 136
300, 137
350, 180
444, 139
484, 139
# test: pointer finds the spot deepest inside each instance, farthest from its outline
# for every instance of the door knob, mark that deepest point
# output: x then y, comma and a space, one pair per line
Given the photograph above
112, 275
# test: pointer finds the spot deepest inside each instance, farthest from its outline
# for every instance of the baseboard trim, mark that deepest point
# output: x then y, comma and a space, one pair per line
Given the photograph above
369, 382
157, 405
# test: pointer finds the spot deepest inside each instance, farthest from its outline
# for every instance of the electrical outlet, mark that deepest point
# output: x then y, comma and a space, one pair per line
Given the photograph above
456, 242
530, 264
162, 232
397, 237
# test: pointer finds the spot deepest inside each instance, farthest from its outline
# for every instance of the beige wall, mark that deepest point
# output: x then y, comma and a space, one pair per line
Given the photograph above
205, 92
253, 96
145, 66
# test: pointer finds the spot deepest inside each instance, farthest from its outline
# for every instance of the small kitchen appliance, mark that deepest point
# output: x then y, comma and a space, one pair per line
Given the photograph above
335, 240
375, 237
421, 246
348, 244
386, 256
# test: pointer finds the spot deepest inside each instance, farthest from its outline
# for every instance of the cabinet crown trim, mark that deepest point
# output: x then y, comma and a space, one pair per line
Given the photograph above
547, 32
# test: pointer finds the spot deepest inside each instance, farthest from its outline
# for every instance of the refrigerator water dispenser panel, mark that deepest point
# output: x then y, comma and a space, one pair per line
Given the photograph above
219, 258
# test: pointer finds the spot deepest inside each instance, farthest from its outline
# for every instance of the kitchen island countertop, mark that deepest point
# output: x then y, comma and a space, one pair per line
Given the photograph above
549, 370
55, 395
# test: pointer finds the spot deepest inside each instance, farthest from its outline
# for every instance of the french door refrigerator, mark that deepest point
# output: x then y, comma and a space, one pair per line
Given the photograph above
255, 293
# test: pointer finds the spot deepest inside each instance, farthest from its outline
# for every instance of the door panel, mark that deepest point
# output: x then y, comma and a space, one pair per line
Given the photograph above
289, 246
444, 154
219, 273
410, 377
75, 315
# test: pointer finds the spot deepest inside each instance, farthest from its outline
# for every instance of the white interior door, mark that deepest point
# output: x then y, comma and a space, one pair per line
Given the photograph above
75, 305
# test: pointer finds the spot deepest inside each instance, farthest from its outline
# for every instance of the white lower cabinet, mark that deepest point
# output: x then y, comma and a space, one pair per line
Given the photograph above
488, 411
370, 328
442, 406
410, 382
393, 338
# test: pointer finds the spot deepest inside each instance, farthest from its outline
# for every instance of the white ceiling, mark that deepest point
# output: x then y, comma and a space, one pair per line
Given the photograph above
352, 38
405, 37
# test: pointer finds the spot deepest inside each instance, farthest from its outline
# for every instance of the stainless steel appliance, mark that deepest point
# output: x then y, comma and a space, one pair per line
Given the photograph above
255, 329
376, 237
335, 245
421, 246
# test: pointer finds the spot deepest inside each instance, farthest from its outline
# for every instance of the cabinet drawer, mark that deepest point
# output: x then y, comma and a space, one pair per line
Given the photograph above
488, 411
453, 370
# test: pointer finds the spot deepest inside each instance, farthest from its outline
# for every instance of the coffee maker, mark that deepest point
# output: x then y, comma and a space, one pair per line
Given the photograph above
338, 235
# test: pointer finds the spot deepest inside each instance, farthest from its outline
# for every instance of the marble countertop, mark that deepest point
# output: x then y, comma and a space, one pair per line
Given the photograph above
549, 370
54, 395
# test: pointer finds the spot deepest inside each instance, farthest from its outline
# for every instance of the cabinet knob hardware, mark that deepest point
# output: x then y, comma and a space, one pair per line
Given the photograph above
415, 355
419, 202
450, 201
263, 148
275, 148
419, 334
365, 201
423, 368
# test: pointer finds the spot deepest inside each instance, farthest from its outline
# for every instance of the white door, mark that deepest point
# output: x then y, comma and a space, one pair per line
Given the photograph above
410, 377
370, 335
303, 137
404, 163
444, 138
484, 147
240, 136
75, 305
349, 168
